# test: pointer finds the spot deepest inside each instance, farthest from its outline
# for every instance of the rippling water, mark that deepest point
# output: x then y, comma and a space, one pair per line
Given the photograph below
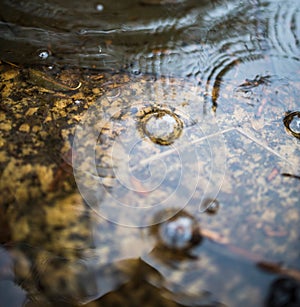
180, 38
251, 46
183, 38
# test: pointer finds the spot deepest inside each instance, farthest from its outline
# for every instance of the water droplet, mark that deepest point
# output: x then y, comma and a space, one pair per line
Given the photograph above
161, 126
82, 32
210, 206
292, 123
44, 54
99, 7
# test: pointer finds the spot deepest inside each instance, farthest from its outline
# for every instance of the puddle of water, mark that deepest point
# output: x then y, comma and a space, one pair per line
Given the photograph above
153, 106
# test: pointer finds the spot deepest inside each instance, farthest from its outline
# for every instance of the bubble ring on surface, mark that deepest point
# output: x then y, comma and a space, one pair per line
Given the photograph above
152, 122
124, 174
292, 123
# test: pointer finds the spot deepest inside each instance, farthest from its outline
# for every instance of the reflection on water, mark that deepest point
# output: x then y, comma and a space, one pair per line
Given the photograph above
201, 84
183, 38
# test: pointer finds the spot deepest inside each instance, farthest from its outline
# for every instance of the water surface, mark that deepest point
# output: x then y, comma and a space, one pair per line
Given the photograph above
82, 182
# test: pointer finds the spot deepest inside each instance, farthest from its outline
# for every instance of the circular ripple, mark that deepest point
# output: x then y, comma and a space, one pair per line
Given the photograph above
283, 28
125, 175
182, 33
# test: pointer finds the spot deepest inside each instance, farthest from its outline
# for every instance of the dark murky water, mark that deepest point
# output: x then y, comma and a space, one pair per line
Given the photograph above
182, 38
235, 62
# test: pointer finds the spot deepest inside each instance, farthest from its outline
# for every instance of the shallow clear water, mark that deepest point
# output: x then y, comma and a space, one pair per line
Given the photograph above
227, 74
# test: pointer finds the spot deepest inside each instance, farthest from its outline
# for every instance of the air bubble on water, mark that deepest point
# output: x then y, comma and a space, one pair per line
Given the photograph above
177, 233
99, 7
82, 32
210, 206
292, 123
161, 126
295, 124
43, 54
